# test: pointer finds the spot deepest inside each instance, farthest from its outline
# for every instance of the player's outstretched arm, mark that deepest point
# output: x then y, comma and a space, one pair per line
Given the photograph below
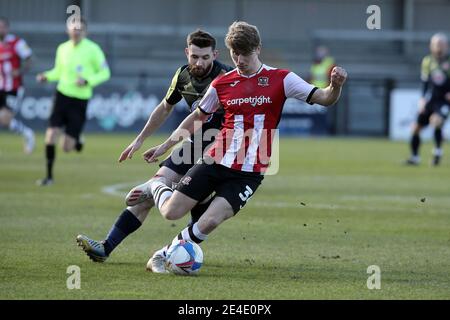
156, 119
185, 129
330, 95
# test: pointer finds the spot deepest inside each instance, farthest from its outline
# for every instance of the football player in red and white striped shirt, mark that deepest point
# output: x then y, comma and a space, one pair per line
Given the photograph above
252, 96
15, 59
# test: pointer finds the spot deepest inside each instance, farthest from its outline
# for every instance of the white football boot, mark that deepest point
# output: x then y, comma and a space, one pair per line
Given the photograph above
139, 194
157, 263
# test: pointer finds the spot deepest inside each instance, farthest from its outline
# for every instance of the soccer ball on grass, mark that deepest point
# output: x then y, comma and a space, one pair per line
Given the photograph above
184, 258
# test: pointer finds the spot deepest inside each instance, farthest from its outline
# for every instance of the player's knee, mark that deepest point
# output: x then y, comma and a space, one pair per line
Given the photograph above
169, 215
416, 128
436, 121
173, 212
50, 136
4, 122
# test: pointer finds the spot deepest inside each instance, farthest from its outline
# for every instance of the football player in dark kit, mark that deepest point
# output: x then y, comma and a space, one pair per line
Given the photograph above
435, 101
189, 82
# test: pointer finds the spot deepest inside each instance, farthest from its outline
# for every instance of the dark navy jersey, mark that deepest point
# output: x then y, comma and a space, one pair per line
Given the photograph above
186, 86
435, 76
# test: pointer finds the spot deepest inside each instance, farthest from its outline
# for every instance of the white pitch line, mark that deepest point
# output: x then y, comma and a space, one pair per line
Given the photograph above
115, 190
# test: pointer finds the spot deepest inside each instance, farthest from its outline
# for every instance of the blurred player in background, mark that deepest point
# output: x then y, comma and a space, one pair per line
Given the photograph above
15, 60
252, 96
434, 105
80, 65
320, 70
189, 82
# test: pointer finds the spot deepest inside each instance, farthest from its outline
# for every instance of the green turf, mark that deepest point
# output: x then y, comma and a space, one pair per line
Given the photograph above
336, 207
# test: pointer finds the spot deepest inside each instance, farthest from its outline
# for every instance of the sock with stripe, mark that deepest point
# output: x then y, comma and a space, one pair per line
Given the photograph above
160, 192
191, 233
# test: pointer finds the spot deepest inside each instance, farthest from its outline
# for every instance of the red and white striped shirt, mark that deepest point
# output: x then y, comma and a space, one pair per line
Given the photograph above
12, 51
253, 106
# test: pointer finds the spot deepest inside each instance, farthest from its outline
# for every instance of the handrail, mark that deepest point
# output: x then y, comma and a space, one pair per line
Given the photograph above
115, 28
371, 35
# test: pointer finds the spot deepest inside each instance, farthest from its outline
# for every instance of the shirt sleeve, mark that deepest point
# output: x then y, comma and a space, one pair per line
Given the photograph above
425, 69
424, 74
53, 74
101, 68
22, 49
296, 87
210, 101
172, 95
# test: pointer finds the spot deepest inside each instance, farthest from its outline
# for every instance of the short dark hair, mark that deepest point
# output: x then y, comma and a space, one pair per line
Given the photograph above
201, 39
5, 20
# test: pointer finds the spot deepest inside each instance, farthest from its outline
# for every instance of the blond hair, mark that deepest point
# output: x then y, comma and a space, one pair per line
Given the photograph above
242, 38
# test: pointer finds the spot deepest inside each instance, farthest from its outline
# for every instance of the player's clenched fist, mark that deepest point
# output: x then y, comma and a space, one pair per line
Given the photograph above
338, 76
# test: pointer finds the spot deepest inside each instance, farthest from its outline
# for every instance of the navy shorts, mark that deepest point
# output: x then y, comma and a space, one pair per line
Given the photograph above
235, 186
4, 97
183, 158
68, 113
441, 108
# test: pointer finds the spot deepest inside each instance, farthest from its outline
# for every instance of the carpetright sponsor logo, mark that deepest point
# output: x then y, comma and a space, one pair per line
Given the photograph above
253, 101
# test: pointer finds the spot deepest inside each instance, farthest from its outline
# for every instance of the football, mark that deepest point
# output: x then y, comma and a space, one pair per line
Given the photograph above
184, 258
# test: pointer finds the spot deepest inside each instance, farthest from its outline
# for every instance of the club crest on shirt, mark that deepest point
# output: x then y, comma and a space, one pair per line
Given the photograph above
438, 77
186, 180
263, 81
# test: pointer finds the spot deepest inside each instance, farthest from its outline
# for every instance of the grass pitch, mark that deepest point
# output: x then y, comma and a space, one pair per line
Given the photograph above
336, 207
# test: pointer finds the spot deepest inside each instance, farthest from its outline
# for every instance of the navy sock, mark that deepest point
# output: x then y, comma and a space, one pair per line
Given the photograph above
438, 137
415, 144
78, 146
126, 224
50, 156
